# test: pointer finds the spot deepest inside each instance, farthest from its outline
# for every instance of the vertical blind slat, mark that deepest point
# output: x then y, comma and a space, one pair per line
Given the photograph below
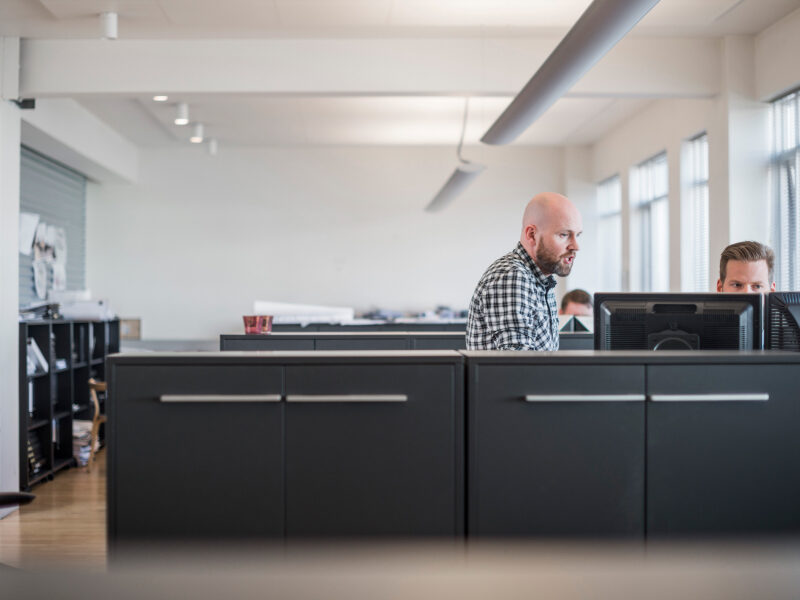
58, 195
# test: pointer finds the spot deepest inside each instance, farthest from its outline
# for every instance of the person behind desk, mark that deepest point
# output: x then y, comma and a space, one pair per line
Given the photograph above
576, 302
746, 267
514, 306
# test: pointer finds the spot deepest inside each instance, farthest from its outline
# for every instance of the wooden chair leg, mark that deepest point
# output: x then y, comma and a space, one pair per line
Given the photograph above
95, 432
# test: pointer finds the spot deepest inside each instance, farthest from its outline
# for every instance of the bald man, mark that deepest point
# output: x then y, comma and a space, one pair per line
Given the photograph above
514, 305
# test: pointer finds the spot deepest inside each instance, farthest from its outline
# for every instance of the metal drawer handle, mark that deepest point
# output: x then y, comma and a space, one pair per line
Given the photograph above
220, 398
348, 398
709, 397
585, 398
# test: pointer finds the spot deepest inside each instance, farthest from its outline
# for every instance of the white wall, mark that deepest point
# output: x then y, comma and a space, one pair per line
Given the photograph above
9, 266
776, 51
580, 187
199, 238
9, 297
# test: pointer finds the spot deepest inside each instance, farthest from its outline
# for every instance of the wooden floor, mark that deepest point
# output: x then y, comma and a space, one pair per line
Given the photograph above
64, 527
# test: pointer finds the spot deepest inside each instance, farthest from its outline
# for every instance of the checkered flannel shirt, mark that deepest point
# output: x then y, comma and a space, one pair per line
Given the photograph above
513, 307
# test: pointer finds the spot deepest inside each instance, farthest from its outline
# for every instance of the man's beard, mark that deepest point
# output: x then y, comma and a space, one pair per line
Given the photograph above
550, 262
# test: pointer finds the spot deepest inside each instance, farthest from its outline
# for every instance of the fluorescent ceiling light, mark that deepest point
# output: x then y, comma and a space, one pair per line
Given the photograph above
182, 114
160, 98
464, 174
597, 30
108, 21
197, 134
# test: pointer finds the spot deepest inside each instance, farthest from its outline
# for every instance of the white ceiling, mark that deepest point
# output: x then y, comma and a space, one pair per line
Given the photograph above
175, 19
365, 119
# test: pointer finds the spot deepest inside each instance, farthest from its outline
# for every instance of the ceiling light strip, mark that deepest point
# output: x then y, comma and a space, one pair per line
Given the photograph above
597, 30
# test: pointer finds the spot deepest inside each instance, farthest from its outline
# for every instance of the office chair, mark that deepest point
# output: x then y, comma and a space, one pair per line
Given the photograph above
14, 498
98, 418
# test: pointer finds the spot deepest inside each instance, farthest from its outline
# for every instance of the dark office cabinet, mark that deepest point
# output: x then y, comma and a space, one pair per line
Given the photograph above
434, 341
374, 449
195, 451
356, 342
264, 342
723, 450
576, 341
555, 450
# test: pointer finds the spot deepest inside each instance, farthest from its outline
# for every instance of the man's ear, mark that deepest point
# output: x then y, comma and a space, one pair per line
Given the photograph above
530, 232
772, 287
719, 285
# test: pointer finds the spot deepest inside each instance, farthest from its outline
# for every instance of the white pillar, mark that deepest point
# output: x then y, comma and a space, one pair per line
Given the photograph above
738, 155
9, 271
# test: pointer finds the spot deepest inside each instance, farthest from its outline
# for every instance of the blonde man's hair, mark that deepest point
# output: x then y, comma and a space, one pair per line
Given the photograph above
746, 252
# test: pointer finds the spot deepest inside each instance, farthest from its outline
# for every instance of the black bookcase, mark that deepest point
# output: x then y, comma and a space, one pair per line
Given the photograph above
74, 351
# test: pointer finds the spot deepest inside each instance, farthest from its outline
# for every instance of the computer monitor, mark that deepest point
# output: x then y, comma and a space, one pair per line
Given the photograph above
627, 321
782, 330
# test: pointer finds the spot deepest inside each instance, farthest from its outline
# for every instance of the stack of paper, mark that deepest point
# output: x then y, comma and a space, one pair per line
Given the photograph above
82, 441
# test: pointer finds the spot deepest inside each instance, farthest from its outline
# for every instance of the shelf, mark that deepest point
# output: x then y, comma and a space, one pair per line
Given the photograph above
37, 424
39, 477
69, 380
61, 463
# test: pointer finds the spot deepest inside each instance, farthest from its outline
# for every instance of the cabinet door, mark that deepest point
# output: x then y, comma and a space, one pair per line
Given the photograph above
355, 342
374, 450
266, 342
723, 450
556, 451
193, 454
439, 342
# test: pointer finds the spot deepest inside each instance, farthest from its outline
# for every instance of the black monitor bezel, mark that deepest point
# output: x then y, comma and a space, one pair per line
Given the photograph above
770, 305
757, 301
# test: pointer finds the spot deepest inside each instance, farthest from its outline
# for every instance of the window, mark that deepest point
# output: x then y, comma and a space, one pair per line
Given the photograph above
650, 226
694, 251
784, 166
609, 209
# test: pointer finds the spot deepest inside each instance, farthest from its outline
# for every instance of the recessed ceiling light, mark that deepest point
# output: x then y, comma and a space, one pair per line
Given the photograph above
108, 22
197, 134
160, 98
182, 114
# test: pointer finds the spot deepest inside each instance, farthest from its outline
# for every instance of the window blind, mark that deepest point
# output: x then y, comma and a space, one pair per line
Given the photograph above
609, 209
695, 235
784, 167
58, 195
650, 226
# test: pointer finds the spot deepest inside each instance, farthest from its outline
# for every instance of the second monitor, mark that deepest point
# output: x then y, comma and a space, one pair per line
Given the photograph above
662, 321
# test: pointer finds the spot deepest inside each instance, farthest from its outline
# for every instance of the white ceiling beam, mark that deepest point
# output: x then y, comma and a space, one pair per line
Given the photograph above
67, 132
654, 67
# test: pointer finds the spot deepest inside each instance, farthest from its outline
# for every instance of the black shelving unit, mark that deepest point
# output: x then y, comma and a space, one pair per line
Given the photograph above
74, 351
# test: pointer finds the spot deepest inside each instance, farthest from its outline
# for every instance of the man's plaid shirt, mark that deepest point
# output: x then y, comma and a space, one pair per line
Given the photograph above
513, 307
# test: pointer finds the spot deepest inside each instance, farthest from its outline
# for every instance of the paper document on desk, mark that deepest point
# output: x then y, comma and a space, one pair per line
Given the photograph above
287, 312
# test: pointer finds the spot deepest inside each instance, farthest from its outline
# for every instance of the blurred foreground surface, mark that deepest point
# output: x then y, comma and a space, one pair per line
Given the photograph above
366, 571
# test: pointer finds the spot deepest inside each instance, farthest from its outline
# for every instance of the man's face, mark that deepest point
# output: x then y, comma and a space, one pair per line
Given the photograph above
746, 277
555, 252
575, 308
